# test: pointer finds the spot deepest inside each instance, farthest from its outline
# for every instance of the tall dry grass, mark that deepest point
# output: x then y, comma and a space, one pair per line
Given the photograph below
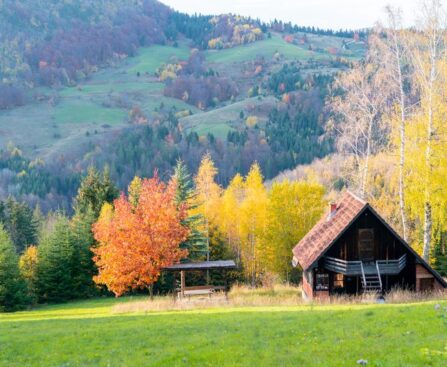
276, 295
239, 296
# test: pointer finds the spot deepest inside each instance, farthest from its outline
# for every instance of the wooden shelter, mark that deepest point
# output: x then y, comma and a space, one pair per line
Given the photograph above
182, 268
353, 250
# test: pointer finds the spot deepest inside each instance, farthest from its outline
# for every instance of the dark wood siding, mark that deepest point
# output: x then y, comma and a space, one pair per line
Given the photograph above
386, 245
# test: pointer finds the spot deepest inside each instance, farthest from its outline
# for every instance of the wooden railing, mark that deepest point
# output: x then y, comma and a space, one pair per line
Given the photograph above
383, 267
392, 267
343, 266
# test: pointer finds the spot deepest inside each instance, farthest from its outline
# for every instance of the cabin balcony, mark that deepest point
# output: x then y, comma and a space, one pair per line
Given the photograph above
353, 268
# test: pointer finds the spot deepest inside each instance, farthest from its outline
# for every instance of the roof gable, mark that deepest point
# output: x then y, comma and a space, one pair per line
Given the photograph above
328, 230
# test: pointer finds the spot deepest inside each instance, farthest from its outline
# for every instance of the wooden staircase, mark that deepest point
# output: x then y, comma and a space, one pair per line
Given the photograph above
371, 280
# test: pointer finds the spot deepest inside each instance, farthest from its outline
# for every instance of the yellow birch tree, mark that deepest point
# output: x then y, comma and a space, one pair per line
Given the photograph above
253, 221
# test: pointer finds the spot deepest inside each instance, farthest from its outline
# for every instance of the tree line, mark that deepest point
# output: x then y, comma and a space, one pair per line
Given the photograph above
119, 243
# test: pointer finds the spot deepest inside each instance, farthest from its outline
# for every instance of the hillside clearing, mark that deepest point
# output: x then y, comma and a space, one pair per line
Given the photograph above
89, 333
149, 59
71, 113
222, 120
266, 48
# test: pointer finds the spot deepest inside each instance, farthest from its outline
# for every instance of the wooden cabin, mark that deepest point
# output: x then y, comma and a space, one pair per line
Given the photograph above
353, 250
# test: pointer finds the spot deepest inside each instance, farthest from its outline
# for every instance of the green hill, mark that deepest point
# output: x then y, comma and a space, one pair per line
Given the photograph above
89, 78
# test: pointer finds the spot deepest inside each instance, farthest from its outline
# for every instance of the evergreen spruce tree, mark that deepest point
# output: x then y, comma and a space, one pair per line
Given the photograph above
95, 190
12, 286
83, 267
55, 264
185, 194
18, 221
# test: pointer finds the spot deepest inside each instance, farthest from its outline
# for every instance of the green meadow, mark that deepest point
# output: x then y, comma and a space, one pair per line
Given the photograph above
222, 120
92, 333
70, 115
266, 48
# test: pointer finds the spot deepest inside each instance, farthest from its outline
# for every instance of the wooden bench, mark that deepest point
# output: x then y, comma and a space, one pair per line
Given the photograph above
199, 290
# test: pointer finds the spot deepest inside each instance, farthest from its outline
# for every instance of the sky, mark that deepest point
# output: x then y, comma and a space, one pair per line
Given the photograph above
335, 14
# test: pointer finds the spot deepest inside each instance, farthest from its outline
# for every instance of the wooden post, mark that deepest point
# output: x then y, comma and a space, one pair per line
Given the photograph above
182, 283
226, 283
174, 286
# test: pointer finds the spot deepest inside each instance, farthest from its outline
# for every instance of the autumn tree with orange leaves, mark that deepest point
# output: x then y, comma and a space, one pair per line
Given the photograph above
137, 239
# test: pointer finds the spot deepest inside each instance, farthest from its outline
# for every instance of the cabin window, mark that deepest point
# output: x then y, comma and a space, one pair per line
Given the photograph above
321, 281
339, 281
366, 244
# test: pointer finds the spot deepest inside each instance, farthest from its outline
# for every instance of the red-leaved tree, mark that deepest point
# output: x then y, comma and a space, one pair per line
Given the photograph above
137, 239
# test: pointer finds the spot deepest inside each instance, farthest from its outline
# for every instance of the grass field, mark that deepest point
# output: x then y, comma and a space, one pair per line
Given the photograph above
222, 120
90, 333
150, 58
266, 48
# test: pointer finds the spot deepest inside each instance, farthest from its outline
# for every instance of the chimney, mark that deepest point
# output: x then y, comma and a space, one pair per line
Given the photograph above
333, 207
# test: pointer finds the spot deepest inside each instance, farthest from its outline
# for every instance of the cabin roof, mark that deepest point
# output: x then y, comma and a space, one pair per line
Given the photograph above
332, 225
204, 265
328, 229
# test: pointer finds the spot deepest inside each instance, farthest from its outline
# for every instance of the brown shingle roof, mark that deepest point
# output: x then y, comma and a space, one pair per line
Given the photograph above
327, 230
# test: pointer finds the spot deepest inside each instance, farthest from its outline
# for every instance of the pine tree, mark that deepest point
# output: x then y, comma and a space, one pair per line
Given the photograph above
55, 263
83, 266
19, 223
186, 195
12, 286
95, 190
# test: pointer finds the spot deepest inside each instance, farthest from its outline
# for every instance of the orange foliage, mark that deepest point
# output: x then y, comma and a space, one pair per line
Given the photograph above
136, 242
286, 98
258, 69
289, 38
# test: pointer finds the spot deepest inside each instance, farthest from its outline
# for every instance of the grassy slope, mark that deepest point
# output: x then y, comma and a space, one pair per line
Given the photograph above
149, 59
219, 121
49, 129
88, 334
266, 48
45, 128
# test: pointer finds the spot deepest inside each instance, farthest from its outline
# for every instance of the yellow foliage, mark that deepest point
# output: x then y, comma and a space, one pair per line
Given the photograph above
28, 269
28, 264
106, 212
207, 194
134, 190
253, 222
182, 113
168, 71
251, 121
293, 209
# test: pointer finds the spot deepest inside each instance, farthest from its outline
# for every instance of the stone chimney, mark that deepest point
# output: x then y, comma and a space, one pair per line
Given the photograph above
333, 207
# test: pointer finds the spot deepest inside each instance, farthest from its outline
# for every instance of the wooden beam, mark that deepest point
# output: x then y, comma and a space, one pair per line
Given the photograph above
182, 283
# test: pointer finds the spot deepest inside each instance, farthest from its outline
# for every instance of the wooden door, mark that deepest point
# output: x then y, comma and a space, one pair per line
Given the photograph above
366, 244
